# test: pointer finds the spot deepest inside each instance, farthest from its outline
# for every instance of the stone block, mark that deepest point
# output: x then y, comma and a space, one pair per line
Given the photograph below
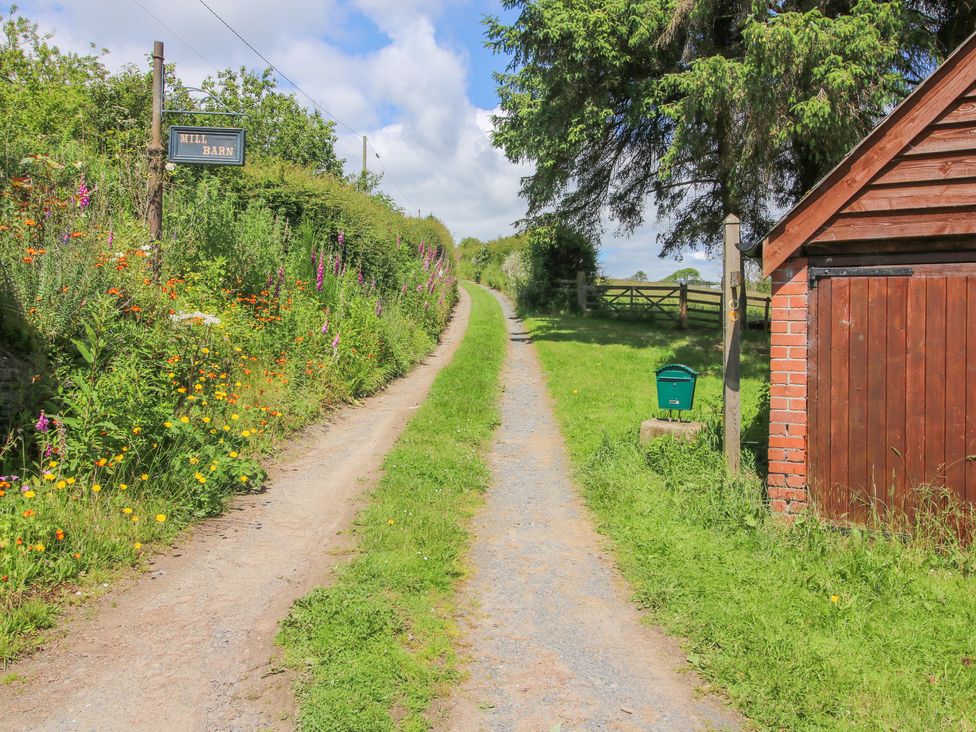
651, 429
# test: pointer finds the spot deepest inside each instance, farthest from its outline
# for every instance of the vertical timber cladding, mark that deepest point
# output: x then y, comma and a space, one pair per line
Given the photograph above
892, 387
206, 145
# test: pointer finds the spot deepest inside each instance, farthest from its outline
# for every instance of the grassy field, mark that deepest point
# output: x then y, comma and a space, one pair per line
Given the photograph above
804, 628
374, 648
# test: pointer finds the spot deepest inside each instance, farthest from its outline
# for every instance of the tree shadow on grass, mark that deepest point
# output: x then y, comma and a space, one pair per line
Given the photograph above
699, 348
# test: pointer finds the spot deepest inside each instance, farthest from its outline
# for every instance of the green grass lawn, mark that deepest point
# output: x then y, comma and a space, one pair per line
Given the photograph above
376, 647
804, 628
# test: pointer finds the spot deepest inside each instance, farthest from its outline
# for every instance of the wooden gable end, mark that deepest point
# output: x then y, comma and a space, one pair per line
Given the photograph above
913, 178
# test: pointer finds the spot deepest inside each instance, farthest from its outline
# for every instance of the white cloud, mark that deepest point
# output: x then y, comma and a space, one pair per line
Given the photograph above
408, 95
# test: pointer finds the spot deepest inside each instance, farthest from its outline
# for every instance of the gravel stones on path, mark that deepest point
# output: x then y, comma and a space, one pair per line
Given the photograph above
190, 645
553, 641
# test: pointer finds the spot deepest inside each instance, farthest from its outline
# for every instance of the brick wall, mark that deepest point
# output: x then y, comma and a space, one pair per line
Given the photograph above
788, 389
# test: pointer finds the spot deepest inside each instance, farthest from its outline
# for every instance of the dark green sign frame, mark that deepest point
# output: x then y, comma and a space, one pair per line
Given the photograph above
206, 145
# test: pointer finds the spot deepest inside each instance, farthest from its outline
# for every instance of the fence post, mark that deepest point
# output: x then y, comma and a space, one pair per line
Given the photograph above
683, 305
733, 313
766, 314
581, 290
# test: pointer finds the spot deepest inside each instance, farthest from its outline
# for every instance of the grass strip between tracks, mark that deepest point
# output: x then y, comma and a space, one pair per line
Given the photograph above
374, 648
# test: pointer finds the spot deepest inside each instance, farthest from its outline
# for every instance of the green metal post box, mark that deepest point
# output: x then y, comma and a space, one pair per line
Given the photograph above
676, 387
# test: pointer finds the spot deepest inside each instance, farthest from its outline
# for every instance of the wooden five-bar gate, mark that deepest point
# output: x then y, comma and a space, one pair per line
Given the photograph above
687, 306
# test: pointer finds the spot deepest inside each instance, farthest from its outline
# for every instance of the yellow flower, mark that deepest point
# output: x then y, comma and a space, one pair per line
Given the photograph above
233, 453
171, 374
390, 522
237, 383
226, 428
29, 494
204, 350
136, 430
194, 460
160, 517
198, 387
49, 476
96, 488
206, 420
39, 547
245, 433
182, 390
244, 479
834, 599
184, 419
119, 458
71, 481
53, 464
213, 467
127, 510
235, 416
167, 424
123, 487
137, 546
61, 484
134, 519
144, 476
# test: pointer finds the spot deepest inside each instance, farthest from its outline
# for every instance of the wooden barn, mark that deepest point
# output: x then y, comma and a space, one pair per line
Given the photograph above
873, 351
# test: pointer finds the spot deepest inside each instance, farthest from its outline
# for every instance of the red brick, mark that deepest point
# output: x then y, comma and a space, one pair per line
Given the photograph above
796, 481
794, 494
796, 430
775, 493
779, 352
787, 364
777, 506
776, 479
785, 390
797, 327
776, 454
797, 378
786, 441
779, 403
797, 405
798, 352
791, 314
777, 428
785, 339
779, 301
778, 415
797, 302
788, 469
789, 288
796, 455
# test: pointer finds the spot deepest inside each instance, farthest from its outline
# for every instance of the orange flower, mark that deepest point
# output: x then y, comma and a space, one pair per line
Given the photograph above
59, 535
30, 222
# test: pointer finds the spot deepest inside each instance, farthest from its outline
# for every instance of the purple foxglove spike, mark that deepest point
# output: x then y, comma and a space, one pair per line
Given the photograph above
342, 238
335, 341
43, 423
325, 327
359, 277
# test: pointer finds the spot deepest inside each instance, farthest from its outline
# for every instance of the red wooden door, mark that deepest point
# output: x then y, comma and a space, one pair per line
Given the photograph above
892, 388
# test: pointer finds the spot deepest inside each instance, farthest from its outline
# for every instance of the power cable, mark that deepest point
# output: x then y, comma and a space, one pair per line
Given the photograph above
176, 35
305, 94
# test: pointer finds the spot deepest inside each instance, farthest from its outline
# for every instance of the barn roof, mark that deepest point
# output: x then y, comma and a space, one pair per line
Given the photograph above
929, 102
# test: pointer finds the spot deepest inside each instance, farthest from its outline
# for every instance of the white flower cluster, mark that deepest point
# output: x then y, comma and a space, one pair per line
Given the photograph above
204, 318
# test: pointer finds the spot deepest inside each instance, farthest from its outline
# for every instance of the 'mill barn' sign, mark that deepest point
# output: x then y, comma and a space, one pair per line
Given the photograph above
206, 145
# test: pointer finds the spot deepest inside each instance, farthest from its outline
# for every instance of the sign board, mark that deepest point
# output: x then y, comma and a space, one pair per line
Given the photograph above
206, 145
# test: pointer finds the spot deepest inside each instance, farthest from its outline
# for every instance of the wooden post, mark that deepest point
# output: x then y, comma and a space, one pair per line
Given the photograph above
155, 210
733, 298
365, 169
581, 291
766, 314
683, 305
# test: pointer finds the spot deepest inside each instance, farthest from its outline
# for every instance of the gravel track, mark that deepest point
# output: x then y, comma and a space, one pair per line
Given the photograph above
190, 644
553, 641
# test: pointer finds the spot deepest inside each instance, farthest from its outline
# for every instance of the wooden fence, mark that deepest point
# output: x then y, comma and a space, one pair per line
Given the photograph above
686, 306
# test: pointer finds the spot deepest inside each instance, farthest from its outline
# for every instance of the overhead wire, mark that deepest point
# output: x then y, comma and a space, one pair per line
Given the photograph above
280, 73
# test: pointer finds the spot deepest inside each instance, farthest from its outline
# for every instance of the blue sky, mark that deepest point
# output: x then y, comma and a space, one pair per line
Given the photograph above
413, 75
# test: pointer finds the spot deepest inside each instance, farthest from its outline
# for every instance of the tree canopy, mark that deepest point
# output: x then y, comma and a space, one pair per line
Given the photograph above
705, 107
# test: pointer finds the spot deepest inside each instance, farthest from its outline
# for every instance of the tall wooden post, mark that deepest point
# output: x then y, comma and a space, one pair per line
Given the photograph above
733, 298
365, 169
155, 211
581, 290
683, 305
